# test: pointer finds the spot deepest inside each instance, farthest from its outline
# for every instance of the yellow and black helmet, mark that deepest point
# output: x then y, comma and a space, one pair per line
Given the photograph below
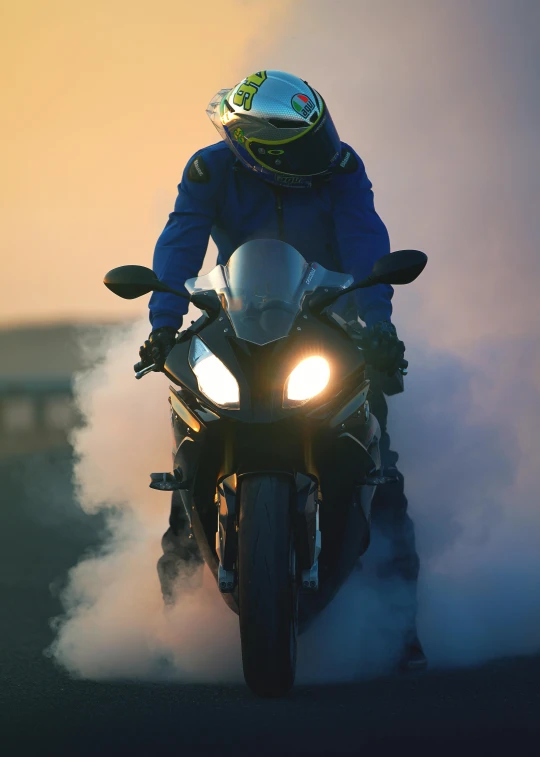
278, 126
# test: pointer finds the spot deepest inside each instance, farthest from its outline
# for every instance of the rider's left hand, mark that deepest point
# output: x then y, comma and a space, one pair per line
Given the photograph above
384, 350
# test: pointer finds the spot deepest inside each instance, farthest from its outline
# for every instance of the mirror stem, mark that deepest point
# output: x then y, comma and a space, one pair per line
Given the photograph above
169, 290
320, 302
202, 302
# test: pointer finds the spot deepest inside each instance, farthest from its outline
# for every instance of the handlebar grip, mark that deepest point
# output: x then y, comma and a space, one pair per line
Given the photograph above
139, 366
403, 367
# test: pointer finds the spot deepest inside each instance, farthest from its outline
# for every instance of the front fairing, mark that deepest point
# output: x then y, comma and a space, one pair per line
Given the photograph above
262, 433
333, 430
262, 370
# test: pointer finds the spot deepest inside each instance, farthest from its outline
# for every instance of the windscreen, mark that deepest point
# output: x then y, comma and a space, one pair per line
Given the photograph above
262, 288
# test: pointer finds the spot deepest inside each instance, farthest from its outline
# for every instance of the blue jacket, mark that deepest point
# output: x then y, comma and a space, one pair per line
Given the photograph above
334, 224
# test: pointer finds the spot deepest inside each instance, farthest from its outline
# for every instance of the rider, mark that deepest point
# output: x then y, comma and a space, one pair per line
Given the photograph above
282, 172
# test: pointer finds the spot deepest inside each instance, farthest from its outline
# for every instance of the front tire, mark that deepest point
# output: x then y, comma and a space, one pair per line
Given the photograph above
267, 584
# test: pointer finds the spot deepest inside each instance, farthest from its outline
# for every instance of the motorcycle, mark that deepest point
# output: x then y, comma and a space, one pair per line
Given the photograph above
276, 451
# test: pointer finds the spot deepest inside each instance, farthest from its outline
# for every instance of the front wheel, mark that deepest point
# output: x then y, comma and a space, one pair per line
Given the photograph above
267, 584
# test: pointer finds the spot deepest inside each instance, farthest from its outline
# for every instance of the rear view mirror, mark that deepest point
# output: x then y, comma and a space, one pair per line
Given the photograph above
399, 267
131, 281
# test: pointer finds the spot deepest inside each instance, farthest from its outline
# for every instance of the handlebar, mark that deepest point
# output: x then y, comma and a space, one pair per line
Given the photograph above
403, 369
143, 370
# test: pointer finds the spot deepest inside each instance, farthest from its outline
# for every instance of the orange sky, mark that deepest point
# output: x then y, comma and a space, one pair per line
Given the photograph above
103, 103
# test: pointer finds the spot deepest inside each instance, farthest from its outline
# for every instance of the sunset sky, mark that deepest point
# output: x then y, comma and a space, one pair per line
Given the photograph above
104, 102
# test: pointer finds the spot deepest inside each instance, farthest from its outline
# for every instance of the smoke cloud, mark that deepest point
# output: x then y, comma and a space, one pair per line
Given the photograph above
437, 98
115, 623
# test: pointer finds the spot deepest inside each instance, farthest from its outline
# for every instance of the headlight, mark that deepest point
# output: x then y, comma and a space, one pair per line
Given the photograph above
307, 380
214, 379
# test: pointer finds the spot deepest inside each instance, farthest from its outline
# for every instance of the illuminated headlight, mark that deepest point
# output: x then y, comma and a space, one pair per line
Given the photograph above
214, 379
307, 380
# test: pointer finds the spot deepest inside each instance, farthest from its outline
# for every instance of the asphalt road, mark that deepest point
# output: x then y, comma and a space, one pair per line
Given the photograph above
490, 710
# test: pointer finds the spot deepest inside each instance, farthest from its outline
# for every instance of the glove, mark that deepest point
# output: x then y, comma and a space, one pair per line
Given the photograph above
383, 350
156, 348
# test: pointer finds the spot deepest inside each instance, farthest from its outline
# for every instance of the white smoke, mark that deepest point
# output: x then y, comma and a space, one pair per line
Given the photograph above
115, 624
466, 443
478, 532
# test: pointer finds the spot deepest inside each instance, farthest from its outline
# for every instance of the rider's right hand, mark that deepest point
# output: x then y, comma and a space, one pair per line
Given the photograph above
156, 348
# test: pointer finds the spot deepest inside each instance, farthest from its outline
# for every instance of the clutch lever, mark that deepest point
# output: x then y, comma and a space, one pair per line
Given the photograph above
358, 334
149, 368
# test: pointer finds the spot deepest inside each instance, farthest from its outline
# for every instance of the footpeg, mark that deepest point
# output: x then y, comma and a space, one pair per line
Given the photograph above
376, 480
168, 482
226, 580
310, 576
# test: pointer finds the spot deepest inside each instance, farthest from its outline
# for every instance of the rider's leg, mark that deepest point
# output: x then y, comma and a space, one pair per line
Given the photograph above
180, 553
390, 518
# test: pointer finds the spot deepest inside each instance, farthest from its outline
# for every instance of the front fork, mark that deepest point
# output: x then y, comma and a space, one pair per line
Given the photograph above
306, 531
353, 453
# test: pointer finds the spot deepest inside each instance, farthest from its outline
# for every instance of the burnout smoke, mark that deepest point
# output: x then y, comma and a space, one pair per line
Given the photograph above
469, 463
478, 537
115, 624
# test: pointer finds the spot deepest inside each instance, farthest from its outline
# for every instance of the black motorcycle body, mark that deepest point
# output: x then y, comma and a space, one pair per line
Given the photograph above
277, 491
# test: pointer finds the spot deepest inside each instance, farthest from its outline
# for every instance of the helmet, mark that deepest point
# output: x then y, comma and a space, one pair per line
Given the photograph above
278, 126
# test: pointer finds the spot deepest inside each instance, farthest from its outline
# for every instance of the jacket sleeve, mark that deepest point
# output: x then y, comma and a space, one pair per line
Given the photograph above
180, 250
362, 239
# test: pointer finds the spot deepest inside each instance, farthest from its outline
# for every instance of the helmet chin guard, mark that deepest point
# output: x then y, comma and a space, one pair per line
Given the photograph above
278, 127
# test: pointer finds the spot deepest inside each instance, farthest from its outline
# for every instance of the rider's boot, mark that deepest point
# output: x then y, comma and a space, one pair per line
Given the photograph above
170, 564
401, 563
181, 555
402, 604
413, 659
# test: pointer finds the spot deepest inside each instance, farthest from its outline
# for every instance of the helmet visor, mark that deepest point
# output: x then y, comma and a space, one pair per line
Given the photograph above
312, 152
215, 109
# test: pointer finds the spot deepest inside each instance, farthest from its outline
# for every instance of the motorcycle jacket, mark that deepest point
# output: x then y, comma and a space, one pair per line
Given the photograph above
333, 223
